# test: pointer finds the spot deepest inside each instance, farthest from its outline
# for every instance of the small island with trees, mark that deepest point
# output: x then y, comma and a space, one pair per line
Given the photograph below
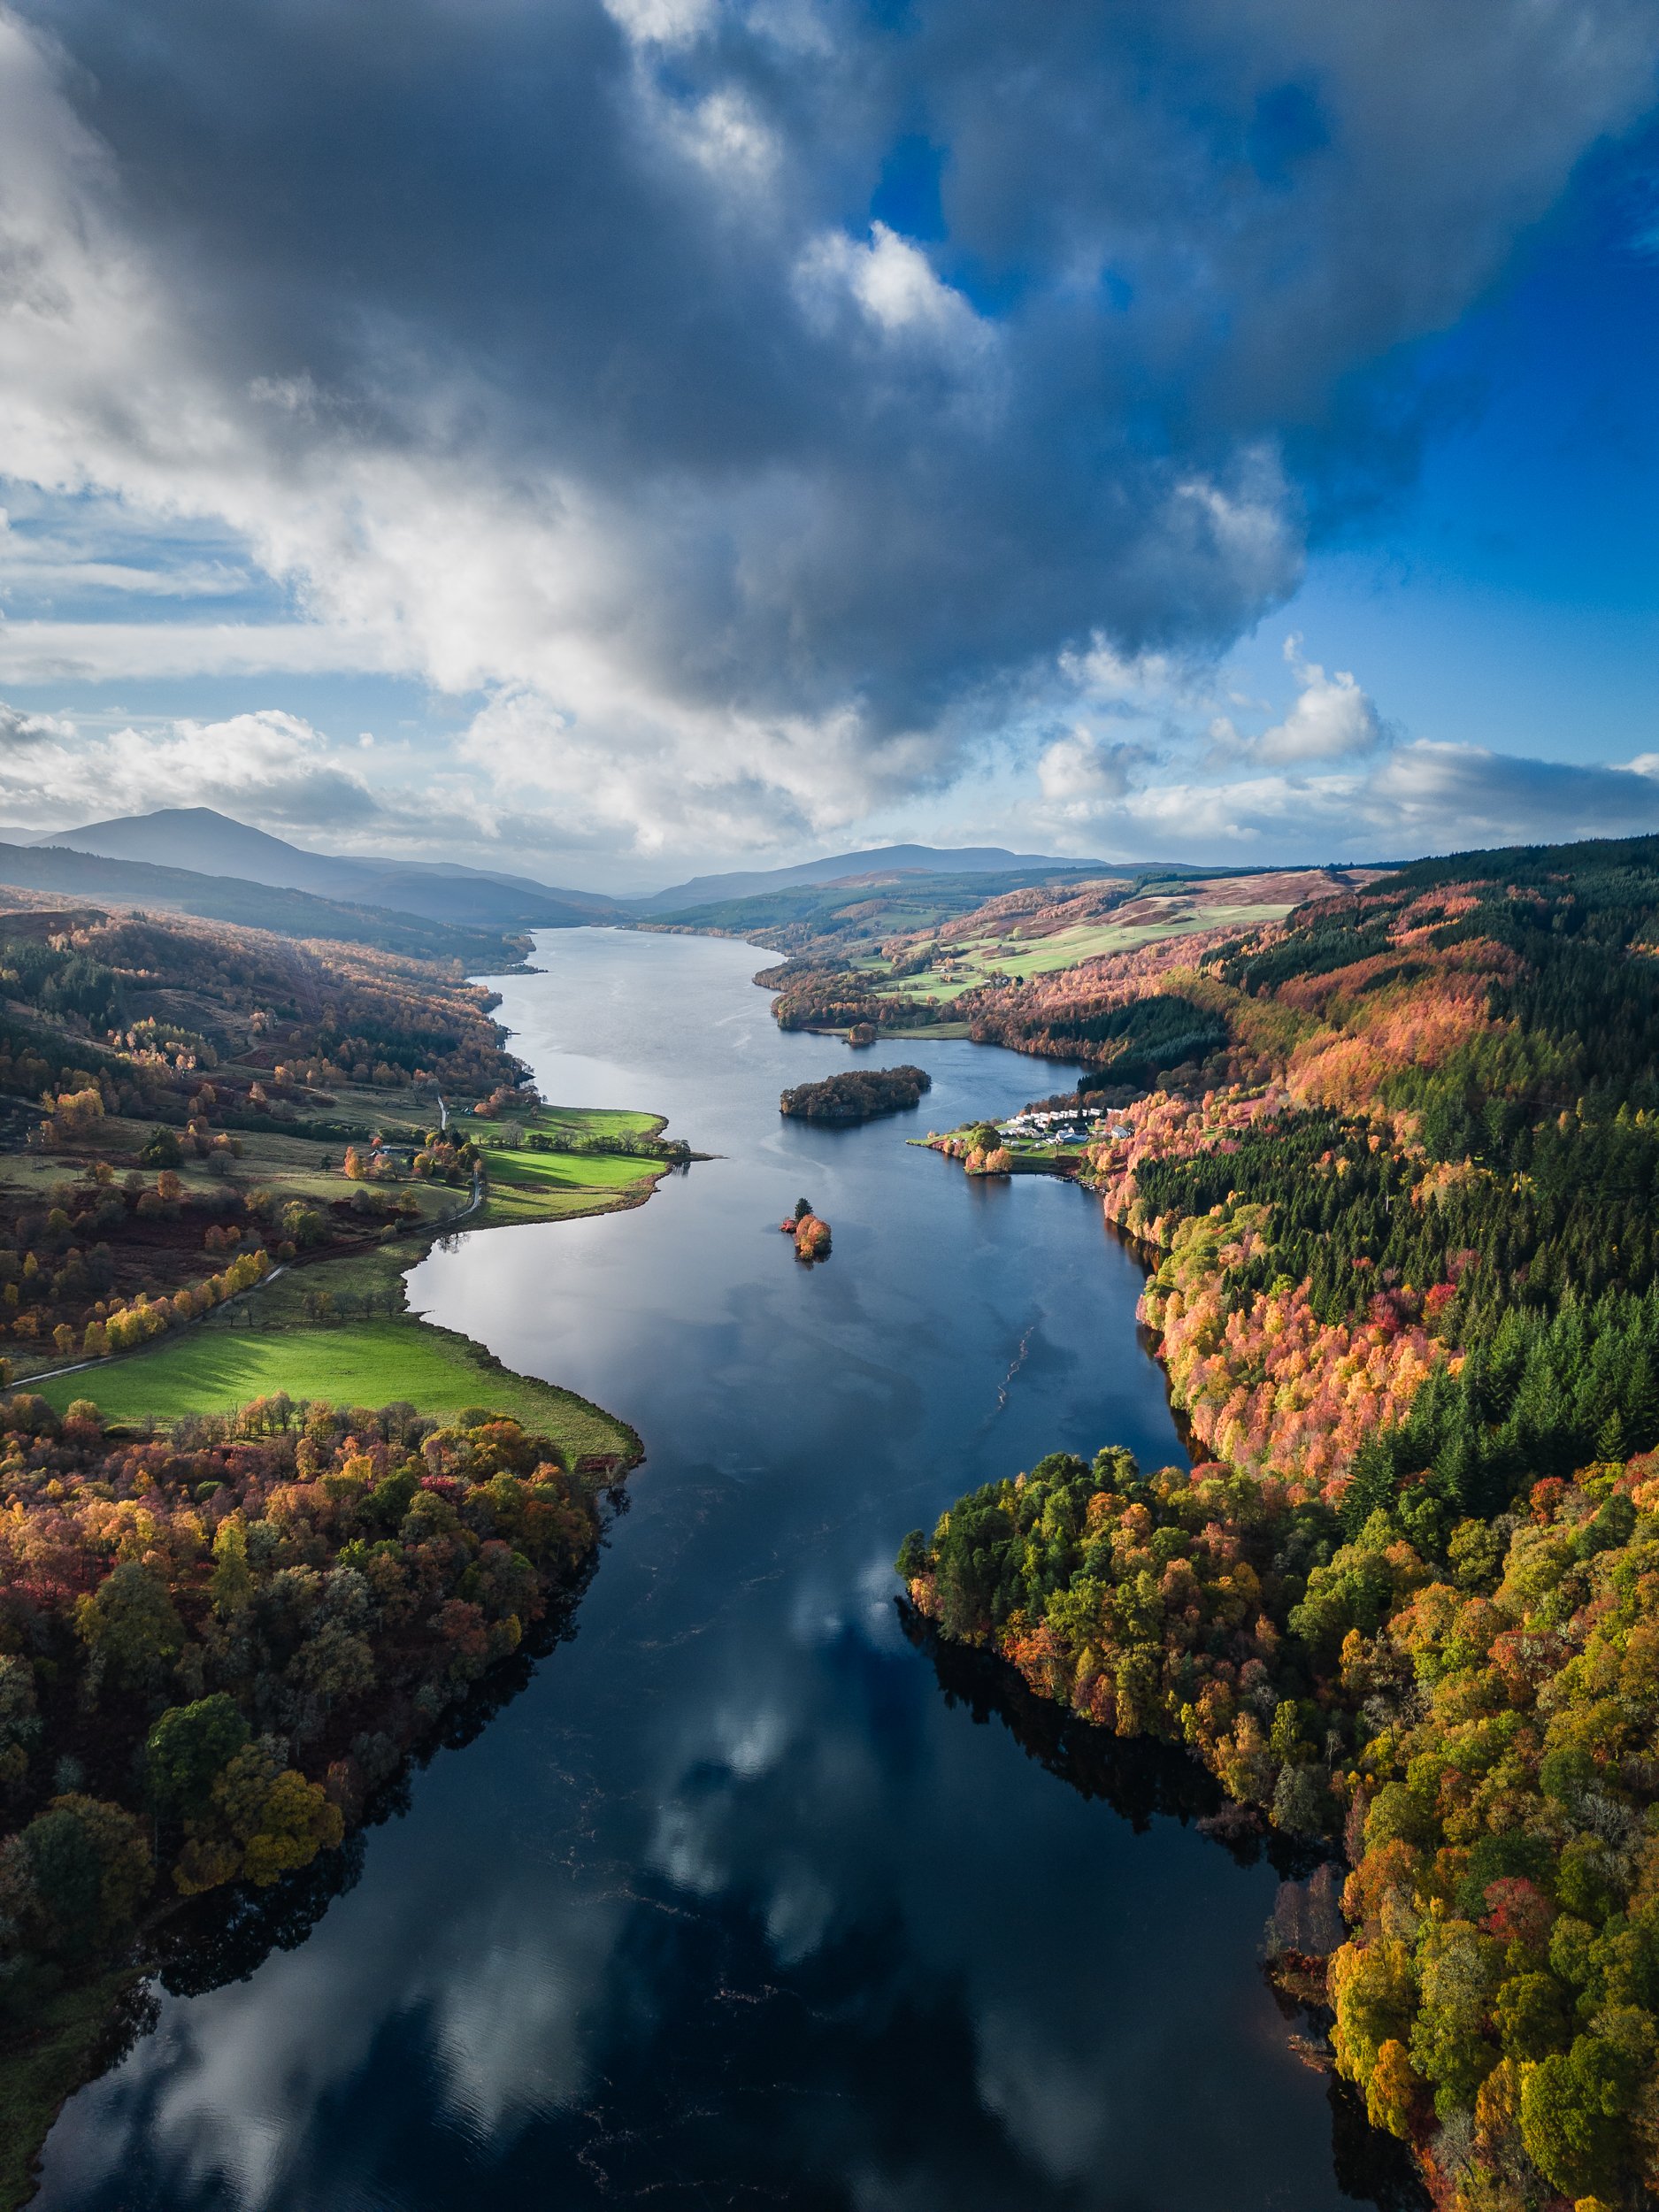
860, 1094
810, 1229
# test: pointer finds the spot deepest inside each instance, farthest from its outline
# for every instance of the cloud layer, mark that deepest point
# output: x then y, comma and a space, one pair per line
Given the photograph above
760, 407
261, 766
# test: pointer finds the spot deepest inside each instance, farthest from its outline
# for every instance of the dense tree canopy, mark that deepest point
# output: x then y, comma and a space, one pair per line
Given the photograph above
1399, 1213
231, 1635
859, 1094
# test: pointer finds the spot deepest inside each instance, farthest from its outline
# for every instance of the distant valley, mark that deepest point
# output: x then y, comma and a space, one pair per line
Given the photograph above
911, 882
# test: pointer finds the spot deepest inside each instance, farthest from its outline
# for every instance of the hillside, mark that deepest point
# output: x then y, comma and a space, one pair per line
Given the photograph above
846, 922
209, 843
1397, 1190
881, 864
912, 960
58, 872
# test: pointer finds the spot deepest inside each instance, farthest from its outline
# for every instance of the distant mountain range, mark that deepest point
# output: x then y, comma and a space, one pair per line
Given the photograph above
883, 861
225, 898
197, 838
212, 844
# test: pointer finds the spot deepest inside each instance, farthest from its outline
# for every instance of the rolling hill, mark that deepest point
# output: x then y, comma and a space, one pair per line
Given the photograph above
208, 843
880, 866
221, 898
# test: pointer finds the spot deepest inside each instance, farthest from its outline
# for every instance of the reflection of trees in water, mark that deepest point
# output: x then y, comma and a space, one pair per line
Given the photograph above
1140, 1779
1370, 2167
1136, 1775
132, 2015
901, 2094
225, 1934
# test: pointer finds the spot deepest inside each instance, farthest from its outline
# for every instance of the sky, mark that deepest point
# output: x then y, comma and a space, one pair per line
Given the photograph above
619, 438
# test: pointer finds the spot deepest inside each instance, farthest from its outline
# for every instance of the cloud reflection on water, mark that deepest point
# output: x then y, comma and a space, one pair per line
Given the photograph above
734, 1899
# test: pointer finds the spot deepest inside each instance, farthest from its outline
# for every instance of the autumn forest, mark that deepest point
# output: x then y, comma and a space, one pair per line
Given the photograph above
1393, 1174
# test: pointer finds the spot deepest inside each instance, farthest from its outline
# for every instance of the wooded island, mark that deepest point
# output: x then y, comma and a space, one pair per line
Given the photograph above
860, 1094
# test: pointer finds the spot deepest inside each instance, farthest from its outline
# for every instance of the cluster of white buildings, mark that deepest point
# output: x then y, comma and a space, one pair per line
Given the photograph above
1057, 1125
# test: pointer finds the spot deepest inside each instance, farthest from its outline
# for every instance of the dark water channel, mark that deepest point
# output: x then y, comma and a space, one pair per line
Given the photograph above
744, 1899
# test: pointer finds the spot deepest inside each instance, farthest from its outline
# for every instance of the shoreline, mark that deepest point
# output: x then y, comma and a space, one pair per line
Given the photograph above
215, 1368
83, 2022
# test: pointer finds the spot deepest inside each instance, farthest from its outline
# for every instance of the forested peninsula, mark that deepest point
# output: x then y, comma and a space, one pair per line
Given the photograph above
1398, 1205
263, 1535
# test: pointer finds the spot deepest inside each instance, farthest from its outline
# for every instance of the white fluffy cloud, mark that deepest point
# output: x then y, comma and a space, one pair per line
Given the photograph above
743, 510
1331, 717
1416, 798
1164, 768
898, 290
267, 765
18, 730
624, 776
1083, 776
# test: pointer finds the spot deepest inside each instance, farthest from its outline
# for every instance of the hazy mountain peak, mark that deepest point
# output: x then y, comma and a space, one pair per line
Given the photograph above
211, 843
851, 867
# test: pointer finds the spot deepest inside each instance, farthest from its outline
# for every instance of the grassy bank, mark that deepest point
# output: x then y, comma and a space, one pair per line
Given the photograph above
339, 1329
68, 2042
361, 1363
558, 1185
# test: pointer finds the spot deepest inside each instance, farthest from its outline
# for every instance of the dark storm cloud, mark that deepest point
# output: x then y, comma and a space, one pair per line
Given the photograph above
620, 266
1441, 795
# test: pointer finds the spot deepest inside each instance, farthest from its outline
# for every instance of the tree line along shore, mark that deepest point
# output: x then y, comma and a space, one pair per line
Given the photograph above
1398, 1208
262, 1531
1391, 1159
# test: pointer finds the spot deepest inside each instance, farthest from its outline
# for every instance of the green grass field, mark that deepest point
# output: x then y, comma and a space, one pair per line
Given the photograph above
974, 959
577, 1121
599, 1121
363, 1358
362, 1363
555, 1186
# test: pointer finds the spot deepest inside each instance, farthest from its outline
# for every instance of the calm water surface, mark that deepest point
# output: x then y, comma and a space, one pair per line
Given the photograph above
744, 1899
